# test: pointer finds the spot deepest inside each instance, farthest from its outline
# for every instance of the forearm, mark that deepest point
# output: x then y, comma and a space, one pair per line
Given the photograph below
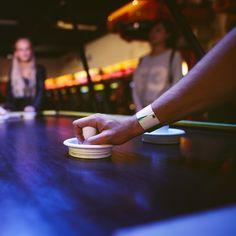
210, 82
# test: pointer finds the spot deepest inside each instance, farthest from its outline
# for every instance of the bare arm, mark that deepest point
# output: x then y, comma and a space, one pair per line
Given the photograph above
210, 82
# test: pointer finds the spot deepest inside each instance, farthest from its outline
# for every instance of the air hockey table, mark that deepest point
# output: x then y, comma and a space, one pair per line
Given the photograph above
45, 192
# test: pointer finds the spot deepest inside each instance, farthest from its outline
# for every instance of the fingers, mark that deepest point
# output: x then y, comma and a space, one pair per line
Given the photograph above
105, 125
86, 121
78, 133
79, 136
83, 122
101, 138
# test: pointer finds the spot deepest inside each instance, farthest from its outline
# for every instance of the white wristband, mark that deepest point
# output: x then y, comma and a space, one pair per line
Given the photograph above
147, 118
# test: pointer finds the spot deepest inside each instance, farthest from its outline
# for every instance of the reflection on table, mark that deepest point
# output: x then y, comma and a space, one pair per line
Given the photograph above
45, 192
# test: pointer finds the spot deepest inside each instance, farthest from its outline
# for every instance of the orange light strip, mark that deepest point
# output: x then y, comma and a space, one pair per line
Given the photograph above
137, 10
117, 70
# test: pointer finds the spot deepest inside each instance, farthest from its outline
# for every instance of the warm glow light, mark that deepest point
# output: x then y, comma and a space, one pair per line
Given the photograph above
50, 83
117, 70
64, 81
135, 2
81, 77
69, 26
184, 68
135, 11
95, 74
64, 25
124, 11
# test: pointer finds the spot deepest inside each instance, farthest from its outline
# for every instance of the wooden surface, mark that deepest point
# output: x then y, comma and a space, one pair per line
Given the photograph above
43, 192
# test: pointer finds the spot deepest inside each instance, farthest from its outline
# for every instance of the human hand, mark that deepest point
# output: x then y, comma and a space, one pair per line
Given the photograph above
111, 129
29, 109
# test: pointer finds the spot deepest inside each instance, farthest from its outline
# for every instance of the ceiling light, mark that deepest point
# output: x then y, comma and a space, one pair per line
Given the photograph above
69, 26
87, 27
63, 25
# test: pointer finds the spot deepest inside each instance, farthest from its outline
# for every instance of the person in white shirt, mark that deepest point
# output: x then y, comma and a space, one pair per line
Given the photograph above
158, 70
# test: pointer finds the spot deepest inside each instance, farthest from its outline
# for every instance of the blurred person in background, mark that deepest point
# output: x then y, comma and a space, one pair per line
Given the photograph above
160, 69
26, 79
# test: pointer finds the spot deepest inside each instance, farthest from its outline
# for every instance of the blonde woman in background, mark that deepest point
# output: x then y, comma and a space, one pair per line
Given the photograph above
26, 79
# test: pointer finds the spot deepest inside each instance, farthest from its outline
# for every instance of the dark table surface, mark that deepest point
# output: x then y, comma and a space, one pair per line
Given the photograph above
43, 192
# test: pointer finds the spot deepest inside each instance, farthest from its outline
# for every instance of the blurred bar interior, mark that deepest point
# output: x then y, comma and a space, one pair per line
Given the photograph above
113, 36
